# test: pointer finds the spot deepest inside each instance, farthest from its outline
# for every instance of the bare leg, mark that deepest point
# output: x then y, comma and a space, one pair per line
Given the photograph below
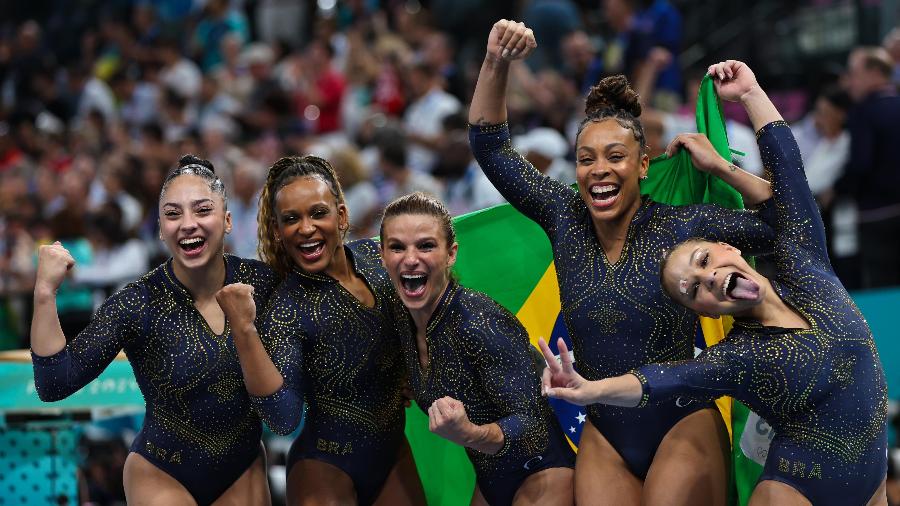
551, 487
478, 498
776, 493
879, 498
251, 488
691, 465
403, 486
148, 485
601, 475
314, 483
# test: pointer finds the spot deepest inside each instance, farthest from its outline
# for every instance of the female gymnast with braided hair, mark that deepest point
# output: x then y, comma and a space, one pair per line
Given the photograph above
200, 442
329, 332
606, 240
800, 353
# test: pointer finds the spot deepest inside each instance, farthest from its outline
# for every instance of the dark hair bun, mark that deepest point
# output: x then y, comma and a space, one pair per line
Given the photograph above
195, 160
613, 92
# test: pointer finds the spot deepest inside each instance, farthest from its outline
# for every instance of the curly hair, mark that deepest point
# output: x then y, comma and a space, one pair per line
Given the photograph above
614, 98
282, 173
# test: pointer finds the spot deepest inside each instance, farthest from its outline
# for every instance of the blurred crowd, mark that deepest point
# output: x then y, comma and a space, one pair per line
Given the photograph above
99, 98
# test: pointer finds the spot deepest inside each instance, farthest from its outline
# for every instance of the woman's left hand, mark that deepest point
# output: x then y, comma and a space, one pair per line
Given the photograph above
733, 79
703, 154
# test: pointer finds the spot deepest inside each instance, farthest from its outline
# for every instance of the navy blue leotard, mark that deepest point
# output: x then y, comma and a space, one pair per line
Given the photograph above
200, 427
479, 354
822, 389
616, 313
344, 360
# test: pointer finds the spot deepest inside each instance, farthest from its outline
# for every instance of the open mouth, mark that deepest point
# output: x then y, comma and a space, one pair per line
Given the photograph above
737, 287
312, 250
604, 195
192, 245
413, 285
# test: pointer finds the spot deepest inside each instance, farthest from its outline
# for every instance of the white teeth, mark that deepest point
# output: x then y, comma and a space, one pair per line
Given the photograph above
192, 240
310, 244
412, 276
602, 189
725, 285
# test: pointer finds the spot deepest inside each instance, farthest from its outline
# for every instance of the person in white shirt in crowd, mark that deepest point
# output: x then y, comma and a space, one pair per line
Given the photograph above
399, 176
547, 149
422, 120
466, 188
248, 178
118, 257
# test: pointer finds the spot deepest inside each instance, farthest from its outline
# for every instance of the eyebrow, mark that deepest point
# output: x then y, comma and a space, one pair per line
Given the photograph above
693, 259
193, 203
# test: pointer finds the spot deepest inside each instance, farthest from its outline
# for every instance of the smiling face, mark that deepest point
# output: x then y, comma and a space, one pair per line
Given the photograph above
309, 221
608, 171
193, 222
712, 279
418, 260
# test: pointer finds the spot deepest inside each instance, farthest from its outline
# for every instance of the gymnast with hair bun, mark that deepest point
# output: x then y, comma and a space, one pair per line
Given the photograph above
200, 442
800, 353
606, 240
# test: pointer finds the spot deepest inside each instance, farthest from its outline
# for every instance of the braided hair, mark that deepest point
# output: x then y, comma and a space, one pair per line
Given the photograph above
281, 173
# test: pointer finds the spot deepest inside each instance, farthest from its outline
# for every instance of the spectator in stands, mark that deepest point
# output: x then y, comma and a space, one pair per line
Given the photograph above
871, 174
422, 120
399, 177
583, 65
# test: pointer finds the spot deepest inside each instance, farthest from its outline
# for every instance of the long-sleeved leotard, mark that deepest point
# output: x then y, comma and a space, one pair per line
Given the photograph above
822, 389
200, 426
616, 313
478, 354
343, 360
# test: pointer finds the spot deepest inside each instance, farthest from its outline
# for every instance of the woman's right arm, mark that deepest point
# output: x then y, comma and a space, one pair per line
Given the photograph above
61, 369
278, 402
518, 181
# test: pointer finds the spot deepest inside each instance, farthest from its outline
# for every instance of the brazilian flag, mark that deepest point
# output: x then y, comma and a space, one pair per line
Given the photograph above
507, 256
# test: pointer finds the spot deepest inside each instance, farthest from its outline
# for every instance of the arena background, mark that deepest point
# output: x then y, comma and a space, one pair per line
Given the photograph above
98, 98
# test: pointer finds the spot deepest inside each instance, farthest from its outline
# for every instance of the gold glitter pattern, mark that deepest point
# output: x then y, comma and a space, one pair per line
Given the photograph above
341, 357
616, 313
822, 389
198, 411
479, 354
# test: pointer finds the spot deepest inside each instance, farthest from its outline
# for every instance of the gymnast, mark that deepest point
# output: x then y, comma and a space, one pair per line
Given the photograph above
200, 441
605, 240
333, 346
800, 353
470, 364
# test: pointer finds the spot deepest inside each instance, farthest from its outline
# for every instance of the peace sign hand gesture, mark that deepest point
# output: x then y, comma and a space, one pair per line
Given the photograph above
561, 381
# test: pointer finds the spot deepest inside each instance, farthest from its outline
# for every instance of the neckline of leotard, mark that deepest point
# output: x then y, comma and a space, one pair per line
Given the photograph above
640, 215
357, 269
189, 299
443, 304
